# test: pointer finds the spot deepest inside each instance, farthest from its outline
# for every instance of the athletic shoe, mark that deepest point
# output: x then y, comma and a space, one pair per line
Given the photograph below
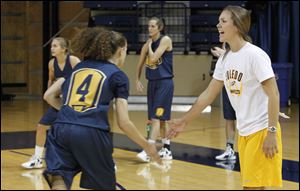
165, 153
227, 155
143, 156
34, 162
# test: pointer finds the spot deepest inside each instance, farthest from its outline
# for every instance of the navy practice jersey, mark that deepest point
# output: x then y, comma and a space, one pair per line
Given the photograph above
66, 71
88, 91
163, 68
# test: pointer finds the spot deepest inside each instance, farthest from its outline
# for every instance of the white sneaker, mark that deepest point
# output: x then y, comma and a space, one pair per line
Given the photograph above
34, 162
165, 153
227, 155
143, 156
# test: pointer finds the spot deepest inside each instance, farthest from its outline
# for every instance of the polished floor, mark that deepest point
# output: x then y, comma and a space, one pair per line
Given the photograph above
193, 167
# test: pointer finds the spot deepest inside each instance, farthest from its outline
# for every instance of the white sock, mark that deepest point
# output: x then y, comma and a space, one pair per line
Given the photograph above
166, 141
39, 151
151, 141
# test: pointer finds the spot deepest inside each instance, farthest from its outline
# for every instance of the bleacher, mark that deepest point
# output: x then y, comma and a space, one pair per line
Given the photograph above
190, 24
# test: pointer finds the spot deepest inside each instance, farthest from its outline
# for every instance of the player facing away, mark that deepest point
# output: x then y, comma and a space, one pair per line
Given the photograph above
157, 55
247, 74
80, 139
59, 66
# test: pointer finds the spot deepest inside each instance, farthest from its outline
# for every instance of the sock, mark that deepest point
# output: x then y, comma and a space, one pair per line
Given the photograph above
166, 143
151, 141
39, 151
230, 145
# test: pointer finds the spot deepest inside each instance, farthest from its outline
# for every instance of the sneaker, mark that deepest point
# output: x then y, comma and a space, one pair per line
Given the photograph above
143, 156
165, 153
227, 155
34, 162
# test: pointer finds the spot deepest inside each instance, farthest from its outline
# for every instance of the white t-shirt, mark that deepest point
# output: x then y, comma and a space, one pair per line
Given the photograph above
242, 73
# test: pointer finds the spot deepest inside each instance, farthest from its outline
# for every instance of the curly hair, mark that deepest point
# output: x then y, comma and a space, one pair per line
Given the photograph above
98, 43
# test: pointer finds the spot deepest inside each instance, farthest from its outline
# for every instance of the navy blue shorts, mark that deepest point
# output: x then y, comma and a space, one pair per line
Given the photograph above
228, 111
49, 117
159, 98
74, 148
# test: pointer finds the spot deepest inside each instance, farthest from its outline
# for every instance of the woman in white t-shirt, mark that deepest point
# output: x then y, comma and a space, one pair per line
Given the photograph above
246, 72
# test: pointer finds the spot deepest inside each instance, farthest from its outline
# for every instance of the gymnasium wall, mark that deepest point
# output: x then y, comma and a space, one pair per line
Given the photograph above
22, 51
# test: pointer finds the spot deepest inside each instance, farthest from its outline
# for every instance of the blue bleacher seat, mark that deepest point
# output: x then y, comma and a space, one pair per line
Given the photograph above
215, 4
204, 19
116, 20
110, 4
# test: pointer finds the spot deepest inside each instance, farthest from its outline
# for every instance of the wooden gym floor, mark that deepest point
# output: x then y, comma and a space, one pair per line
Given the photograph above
193, 166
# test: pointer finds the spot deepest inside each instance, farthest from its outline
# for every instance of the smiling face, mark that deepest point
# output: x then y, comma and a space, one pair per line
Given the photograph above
227, 30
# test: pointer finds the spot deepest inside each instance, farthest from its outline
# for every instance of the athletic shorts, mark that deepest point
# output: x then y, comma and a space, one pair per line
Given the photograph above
49, 117
74, 148
159, 98
256, 169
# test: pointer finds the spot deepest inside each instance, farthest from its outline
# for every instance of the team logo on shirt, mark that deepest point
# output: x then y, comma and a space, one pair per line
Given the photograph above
153, 65
234, 82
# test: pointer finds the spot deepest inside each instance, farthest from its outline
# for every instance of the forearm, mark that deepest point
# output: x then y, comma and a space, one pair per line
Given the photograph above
139, 69
52, 95
273, 109
201, 103
126, 125
50, 82
55, 102
131, 131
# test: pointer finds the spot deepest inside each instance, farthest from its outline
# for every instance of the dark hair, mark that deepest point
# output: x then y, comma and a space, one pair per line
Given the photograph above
98, 43
160, 22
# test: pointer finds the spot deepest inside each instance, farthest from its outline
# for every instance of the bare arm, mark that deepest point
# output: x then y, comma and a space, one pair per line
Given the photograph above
165, 43
131, 131
51, 73
52, 94
270, 146
144, 51
205, 98
74, 61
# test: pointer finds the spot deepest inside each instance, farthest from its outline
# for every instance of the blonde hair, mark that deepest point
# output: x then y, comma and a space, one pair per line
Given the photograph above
64, 43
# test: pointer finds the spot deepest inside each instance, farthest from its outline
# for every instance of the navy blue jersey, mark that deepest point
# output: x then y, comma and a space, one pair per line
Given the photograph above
163, 68
88, 91
66, 71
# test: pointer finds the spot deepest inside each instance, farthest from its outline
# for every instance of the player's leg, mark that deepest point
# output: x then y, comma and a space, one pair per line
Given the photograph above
165, 152
142, 156
61, 164
163, 112
229, 116
41, 133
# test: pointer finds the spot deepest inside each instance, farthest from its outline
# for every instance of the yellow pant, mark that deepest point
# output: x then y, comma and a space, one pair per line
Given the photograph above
256, 169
